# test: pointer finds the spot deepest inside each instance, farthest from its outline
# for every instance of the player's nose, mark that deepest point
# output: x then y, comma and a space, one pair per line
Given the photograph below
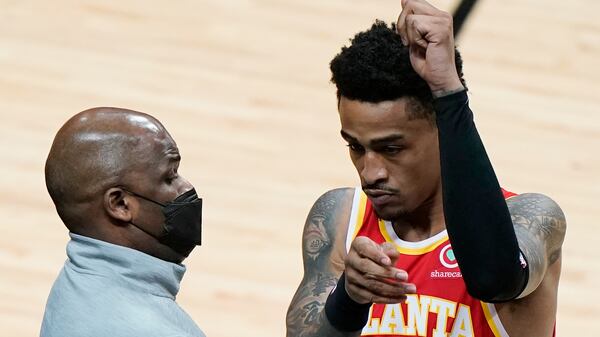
373, 168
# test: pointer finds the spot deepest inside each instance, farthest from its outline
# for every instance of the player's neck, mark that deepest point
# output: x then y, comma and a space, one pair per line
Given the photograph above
423, 223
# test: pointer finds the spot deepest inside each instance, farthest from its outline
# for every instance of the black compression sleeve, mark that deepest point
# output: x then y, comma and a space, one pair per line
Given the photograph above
477, 217
343, 312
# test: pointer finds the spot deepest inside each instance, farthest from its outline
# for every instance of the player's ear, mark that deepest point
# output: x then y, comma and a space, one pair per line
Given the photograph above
119, 204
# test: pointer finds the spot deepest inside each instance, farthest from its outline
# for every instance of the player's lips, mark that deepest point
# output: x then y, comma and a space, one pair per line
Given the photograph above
379, 197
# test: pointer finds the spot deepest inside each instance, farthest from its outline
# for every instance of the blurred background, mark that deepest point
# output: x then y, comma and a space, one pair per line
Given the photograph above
243, 87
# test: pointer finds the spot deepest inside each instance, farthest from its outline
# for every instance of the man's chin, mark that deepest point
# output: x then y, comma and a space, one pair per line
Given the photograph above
389, 213
188, 251
184, 252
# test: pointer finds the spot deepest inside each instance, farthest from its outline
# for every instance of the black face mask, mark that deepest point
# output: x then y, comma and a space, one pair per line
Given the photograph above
182, 230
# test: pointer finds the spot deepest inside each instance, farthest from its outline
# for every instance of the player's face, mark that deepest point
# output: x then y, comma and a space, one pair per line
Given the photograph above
396, 157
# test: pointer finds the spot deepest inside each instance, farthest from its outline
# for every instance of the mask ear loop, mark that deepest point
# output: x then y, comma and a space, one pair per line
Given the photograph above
141, 196
152, 201
145, 231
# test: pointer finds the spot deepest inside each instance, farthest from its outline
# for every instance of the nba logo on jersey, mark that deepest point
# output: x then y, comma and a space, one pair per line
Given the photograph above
522, 260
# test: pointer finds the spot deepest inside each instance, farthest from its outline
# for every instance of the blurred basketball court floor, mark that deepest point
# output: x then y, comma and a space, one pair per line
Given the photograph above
243, 87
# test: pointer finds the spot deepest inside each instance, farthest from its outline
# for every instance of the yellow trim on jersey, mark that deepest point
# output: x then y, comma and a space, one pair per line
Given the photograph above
362, 206
407, 250
490, 320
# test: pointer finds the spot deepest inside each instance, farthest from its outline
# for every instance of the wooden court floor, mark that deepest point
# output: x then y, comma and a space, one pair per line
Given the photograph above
242, 85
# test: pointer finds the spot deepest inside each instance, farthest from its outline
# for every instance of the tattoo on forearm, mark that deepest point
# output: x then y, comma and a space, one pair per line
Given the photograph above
312, 311
323, 284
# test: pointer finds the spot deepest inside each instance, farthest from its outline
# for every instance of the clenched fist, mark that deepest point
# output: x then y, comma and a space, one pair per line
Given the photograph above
428, 33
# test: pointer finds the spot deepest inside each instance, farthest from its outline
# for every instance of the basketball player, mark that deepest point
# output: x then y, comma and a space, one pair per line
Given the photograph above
431, 245
132, 219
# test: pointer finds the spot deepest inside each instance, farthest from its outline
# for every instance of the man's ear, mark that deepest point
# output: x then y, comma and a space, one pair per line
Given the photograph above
118, 204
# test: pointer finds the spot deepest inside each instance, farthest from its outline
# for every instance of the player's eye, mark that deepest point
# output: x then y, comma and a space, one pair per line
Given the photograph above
392, 149
355, 147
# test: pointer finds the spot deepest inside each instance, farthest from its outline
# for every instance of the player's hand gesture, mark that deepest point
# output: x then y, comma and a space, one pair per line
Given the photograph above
428, 33
371, 276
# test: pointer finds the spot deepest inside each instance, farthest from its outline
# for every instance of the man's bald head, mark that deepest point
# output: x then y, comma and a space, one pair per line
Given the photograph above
97, 149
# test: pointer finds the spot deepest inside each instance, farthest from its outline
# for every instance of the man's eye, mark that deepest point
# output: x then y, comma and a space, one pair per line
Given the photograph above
392, 149
355, 148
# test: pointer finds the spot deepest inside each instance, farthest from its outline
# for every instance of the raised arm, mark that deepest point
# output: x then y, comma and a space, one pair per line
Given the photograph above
502, 253
323, 254
503, 247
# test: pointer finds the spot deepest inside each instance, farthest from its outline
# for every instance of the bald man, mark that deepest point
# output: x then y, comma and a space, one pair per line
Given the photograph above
132, 219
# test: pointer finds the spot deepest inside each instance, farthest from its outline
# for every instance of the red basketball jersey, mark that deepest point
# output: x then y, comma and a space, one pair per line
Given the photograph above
442, 306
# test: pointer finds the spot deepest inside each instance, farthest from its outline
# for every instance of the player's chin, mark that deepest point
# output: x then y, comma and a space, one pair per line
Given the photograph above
389, 212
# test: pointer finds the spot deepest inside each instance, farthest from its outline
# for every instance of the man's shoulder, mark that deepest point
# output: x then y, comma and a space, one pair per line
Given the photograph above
116, 316
538, 217
538, 199
540, 227
537, 208
338, 193
334, 206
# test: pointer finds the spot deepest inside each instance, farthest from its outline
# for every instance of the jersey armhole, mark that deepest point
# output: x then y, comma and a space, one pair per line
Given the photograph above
493, 320
359, 202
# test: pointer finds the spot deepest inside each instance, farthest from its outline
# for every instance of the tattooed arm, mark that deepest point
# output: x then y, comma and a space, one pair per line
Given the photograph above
323, 253
540, 227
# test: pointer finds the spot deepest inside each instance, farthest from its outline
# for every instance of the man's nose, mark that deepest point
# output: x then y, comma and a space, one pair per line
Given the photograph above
373, 170
184, 186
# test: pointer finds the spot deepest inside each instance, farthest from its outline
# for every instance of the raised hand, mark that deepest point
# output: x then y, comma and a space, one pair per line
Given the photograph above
427, 31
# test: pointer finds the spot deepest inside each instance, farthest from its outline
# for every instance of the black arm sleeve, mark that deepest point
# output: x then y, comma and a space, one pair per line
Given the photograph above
343, 312
477, 217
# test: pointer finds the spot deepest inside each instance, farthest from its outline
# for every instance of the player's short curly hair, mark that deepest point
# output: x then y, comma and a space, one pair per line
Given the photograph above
376, 67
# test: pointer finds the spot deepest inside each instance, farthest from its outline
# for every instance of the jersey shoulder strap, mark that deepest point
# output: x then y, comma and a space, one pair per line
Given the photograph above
357, 215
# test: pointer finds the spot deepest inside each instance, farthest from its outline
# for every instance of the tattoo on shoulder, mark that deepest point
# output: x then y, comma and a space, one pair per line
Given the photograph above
320, 228
539, 220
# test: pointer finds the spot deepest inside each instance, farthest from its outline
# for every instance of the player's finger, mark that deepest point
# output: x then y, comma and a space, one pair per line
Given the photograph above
390, 250
365, 296
401, 25
393, 282
378, 287
366, 266
386, 287
367, 248
416, 7
393, 274
421, 7
417, 28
